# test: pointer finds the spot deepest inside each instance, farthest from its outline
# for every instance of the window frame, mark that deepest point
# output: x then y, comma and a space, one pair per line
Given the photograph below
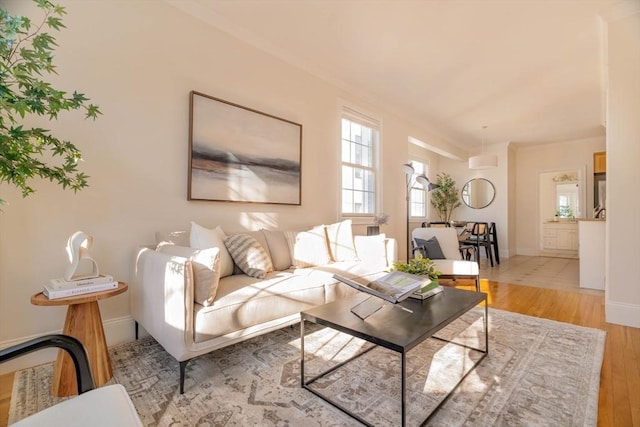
414, 187
357, 115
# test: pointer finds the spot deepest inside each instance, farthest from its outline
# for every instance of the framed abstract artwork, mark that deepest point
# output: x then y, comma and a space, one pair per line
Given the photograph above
238, 154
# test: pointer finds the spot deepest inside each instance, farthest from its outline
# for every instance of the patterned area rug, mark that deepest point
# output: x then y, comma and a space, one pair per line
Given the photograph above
538, 373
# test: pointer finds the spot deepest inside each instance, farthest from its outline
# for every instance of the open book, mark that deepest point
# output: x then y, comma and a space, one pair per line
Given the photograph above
392, 287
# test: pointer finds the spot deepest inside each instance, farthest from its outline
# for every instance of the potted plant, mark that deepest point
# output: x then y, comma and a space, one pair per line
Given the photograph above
378, 220
27, 152
420, 266
446, 197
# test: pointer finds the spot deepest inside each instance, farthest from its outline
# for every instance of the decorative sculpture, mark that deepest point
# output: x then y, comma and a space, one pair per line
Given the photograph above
82, 265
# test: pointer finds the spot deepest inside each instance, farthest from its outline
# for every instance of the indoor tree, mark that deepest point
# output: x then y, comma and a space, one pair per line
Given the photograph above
446, 197
26, 152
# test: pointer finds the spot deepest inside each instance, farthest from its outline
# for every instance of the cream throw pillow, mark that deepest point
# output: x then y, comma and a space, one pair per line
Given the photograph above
205, 265
278, 249
341, 241
205, 238
249, 255
308, 248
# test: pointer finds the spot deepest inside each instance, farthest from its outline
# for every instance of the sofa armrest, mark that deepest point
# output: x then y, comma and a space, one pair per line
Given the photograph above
162, 299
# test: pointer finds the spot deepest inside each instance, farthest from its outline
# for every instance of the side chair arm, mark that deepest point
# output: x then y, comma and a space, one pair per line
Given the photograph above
71, 345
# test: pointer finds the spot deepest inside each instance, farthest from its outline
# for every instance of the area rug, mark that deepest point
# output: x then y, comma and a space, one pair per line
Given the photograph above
538, 373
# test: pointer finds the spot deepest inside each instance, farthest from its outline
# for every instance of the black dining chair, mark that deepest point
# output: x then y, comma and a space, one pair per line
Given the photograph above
435, 224
478, 236
493, 237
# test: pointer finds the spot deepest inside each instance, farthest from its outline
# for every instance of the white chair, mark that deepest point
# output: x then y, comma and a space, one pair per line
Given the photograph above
96, 407
453, 266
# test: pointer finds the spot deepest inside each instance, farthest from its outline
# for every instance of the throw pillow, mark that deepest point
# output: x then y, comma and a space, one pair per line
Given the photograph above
205, 266
205, 238
341, 241
431, 248
249, 255
372, 251
308, 248
278, 248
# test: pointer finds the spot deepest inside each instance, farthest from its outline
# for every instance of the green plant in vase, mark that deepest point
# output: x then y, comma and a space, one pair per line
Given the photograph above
420, 266
446, 197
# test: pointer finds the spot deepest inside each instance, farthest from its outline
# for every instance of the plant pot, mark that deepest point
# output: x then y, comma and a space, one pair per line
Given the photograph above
373, 230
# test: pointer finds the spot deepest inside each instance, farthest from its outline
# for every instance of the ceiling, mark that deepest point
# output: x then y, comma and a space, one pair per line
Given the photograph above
529, 70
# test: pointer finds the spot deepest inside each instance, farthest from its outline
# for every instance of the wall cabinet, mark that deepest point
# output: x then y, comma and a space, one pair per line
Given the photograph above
560, 238
600, 162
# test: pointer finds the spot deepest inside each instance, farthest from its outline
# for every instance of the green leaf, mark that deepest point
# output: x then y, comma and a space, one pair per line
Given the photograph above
27, 153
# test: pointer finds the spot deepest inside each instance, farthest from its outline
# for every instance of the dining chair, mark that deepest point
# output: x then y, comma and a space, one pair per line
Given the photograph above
441, 224
478, 236
493, 237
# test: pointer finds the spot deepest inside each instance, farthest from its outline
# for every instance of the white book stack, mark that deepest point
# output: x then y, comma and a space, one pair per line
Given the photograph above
61, 288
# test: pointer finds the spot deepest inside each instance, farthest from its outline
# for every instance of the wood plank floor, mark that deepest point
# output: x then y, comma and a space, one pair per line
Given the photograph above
619, 401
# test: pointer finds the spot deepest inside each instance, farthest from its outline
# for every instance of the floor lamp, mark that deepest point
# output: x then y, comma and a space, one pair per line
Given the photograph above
421, 179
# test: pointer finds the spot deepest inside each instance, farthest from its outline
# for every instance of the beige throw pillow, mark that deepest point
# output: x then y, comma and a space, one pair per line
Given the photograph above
308, 248
341, 241
278, 249
205, 238
249, 255
205, 266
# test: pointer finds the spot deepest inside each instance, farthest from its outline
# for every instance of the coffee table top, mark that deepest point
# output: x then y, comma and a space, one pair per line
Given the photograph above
392, 327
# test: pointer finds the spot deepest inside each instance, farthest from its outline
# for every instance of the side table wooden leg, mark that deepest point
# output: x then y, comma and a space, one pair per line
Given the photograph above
85, 323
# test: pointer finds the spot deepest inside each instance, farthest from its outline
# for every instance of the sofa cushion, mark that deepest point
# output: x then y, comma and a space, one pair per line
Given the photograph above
205, 266
340, 239
244, 302
249, 255
430, 248
278, 249
205, 238
308, 248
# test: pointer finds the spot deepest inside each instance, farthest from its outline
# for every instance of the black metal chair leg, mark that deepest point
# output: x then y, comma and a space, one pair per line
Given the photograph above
183, 367
136, 328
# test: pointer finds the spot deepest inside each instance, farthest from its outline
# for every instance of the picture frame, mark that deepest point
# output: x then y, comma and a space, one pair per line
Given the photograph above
238, 154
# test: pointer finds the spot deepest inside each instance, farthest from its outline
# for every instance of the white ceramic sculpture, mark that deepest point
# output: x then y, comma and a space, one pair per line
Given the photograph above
82, 266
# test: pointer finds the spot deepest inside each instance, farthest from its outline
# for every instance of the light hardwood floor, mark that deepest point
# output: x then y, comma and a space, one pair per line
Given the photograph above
619, 401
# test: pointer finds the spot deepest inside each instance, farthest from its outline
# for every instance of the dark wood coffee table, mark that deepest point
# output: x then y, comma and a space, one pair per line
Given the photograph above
395, 329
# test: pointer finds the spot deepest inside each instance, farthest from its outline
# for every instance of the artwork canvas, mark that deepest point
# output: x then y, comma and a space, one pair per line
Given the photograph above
242, 155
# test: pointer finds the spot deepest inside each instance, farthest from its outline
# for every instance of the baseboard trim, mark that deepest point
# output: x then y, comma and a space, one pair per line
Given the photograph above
622, 313
116, 331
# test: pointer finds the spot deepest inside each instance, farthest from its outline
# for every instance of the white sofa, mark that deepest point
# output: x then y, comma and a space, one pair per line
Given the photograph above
167, 279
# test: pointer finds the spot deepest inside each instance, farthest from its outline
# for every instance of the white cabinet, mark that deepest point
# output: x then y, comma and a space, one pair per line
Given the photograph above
560, 238
568, 239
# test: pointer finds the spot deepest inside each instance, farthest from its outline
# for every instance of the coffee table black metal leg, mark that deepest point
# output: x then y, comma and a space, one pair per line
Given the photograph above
404, 388
301, 352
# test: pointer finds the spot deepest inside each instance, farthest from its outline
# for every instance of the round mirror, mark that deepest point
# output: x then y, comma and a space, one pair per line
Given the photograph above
478, 193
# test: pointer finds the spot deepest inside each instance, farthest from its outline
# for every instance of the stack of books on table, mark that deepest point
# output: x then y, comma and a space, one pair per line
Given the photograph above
431, 289
61, 288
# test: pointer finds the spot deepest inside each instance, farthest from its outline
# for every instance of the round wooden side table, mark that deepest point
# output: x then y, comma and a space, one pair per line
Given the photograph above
84, 323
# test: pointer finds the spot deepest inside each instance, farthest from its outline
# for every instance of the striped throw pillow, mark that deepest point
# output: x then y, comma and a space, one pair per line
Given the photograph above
249, 255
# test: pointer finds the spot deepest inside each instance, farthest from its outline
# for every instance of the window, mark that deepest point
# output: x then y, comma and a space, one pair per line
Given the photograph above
418, 194
359, 147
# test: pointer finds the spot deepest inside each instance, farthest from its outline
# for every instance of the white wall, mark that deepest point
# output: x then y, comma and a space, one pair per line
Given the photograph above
530, 161
623, 175
138, 60
498, 210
